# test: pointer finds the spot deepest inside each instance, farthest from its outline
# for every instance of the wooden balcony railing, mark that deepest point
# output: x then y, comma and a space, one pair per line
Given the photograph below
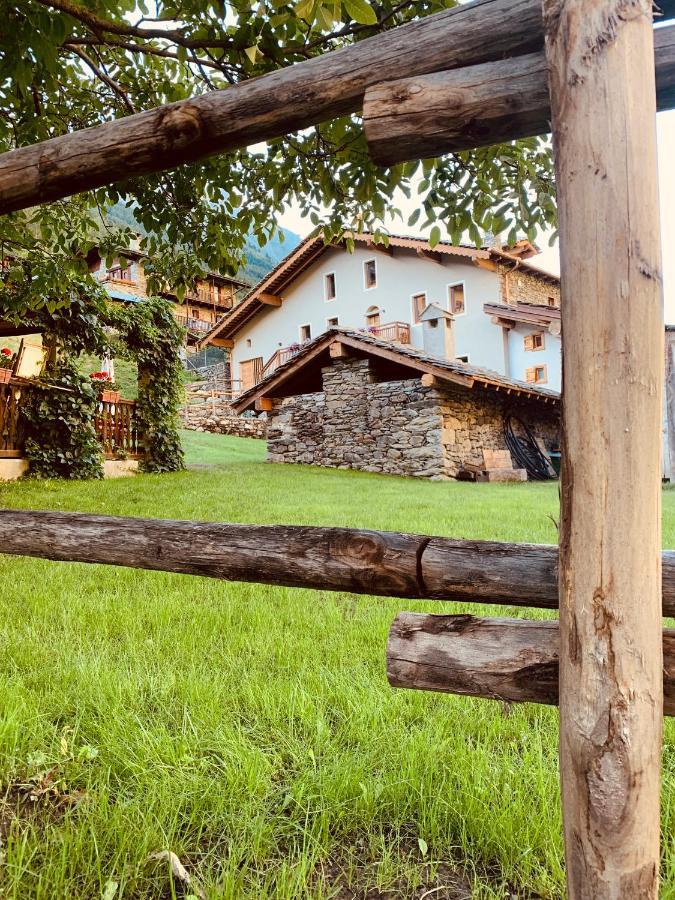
11, 439
117, 429
282, 355
397, 332
194, 324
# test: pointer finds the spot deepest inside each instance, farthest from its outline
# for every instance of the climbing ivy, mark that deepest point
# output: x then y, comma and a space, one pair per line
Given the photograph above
58, 412
148, 334
58, 422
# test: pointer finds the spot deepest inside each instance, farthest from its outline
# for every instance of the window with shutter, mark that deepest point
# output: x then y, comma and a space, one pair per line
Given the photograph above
419, 304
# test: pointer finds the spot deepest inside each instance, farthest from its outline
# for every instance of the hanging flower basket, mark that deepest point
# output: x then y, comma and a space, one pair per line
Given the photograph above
106, 387
6, 365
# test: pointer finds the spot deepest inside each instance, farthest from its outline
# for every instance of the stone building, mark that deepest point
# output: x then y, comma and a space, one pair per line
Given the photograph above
350, 400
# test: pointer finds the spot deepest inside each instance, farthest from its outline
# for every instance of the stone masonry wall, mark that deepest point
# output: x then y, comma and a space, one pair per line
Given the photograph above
395, 427
220, 418
517, 285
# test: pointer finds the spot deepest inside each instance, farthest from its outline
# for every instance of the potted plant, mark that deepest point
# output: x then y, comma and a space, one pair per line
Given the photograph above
107, 388
7, 357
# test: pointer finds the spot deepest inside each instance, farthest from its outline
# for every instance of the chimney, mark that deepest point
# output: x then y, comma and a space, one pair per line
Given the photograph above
438, 332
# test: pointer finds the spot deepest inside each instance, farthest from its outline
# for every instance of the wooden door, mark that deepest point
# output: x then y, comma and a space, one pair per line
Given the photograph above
249, 372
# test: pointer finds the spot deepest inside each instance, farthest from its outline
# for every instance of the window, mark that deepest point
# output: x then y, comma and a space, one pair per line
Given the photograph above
250, 371
120, 273
419, 304
332, 323
305, 333
329, 286
551, 301
536, 375
456, 299
369, 274
534, 341
373, 316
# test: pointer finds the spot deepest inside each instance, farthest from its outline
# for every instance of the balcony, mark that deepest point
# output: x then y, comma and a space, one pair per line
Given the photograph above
396, 332
194, 324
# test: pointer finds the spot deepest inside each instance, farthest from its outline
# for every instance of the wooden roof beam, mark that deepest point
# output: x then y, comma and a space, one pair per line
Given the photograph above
269, 299
491, 103
431, 255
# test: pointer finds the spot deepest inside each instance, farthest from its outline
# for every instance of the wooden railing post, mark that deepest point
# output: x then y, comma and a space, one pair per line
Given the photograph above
601, 77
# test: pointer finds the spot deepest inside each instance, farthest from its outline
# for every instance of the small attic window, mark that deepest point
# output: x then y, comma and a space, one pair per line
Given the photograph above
329, 286
369, 274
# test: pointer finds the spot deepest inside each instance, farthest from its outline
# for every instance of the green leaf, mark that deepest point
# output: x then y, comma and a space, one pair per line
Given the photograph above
422, 844
360, 12
435, 236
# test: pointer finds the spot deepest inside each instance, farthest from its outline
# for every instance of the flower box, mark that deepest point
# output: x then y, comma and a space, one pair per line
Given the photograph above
110, 396
5, 376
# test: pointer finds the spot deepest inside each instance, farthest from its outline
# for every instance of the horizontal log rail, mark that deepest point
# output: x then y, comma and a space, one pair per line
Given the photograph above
269, 106
498, 659
382, 563
449, 111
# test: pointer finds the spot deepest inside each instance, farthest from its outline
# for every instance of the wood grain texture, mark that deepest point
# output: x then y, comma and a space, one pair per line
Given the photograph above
601, 80
445, 112
498, 659
341, 559
266, 107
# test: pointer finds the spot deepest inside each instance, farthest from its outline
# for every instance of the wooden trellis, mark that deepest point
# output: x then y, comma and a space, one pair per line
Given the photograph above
486, 71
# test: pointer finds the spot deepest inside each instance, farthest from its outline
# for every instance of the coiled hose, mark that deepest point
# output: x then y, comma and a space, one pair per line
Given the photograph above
525, 450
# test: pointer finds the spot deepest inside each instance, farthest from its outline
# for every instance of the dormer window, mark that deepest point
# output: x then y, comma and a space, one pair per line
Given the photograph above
370, 274
329, 286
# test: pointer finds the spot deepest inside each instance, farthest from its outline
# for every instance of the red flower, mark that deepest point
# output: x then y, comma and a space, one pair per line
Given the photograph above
6, 351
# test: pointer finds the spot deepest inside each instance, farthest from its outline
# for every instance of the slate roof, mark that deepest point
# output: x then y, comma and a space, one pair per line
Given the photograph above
406, 356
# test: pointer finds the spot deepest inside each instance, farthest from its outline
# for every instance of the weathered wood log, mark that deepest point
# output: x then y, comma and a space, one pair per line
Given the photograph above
269, 106
603, 103
266, 107
444, 112
497, 659
336, 559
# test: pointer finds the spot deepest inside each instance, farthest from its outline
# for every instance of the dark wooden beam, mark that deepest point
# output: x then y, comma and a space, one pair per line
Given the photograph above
267, 107
445, 112
515, 660
374, 562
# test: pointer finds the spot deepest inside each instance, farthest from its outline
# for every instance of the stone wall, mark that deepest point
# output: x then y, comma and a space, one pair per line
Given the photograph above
218, 417
518, 285
393, 427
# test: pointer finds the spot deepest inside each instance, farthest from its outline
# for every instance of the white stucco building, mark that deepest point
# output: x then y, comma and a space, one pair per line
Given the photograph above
505, 311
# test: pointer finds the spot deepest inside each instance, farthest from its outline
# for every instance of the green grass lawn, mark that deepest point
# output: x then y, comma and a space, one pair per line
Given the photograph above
250, 729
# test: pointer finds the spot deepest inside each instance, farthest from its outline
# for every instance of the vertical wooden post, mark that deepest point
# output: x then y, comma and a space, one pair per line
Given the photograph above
601, 75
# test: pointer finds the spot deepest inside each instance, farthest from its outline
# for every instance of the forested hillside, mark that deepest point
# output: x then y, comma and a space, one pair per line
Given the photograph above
259, 260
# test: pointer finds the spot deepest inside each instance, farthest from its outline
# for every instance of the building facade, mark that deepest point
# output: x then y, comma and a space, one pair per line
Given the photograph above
385, 290
211, 298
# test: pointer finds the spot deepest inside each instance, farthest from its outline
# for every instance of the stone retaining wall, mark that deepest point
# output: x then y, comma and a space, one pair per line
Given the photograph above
219, 418
394, 427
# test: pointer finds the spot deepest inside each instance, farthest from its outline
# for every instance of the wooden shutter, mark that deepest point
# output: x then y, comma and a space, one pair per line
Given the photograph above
529, 341
249, 372
530, 374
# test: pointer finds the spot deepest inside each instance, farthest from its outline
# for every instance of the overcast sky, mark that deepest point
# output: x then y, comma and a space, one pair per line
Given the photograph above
549, 257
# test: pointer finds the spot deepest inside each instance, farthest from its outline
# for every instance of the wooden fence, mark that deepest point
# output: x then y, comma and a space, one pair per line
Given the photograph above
117, 429
11, 441
483, 71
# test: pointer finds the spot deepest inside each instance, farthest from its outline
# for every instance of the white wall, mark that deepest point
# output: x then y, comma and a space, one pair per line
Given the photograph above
521, 359
398, 278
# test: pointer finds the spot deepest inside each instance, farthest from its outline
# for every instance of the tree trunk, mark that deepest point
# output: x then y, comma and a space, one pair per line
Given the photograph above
601, 77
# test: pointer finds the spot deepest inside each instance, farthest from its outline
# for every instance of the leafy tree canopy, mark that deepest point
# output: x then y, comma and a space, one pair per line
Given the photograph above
70, 64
